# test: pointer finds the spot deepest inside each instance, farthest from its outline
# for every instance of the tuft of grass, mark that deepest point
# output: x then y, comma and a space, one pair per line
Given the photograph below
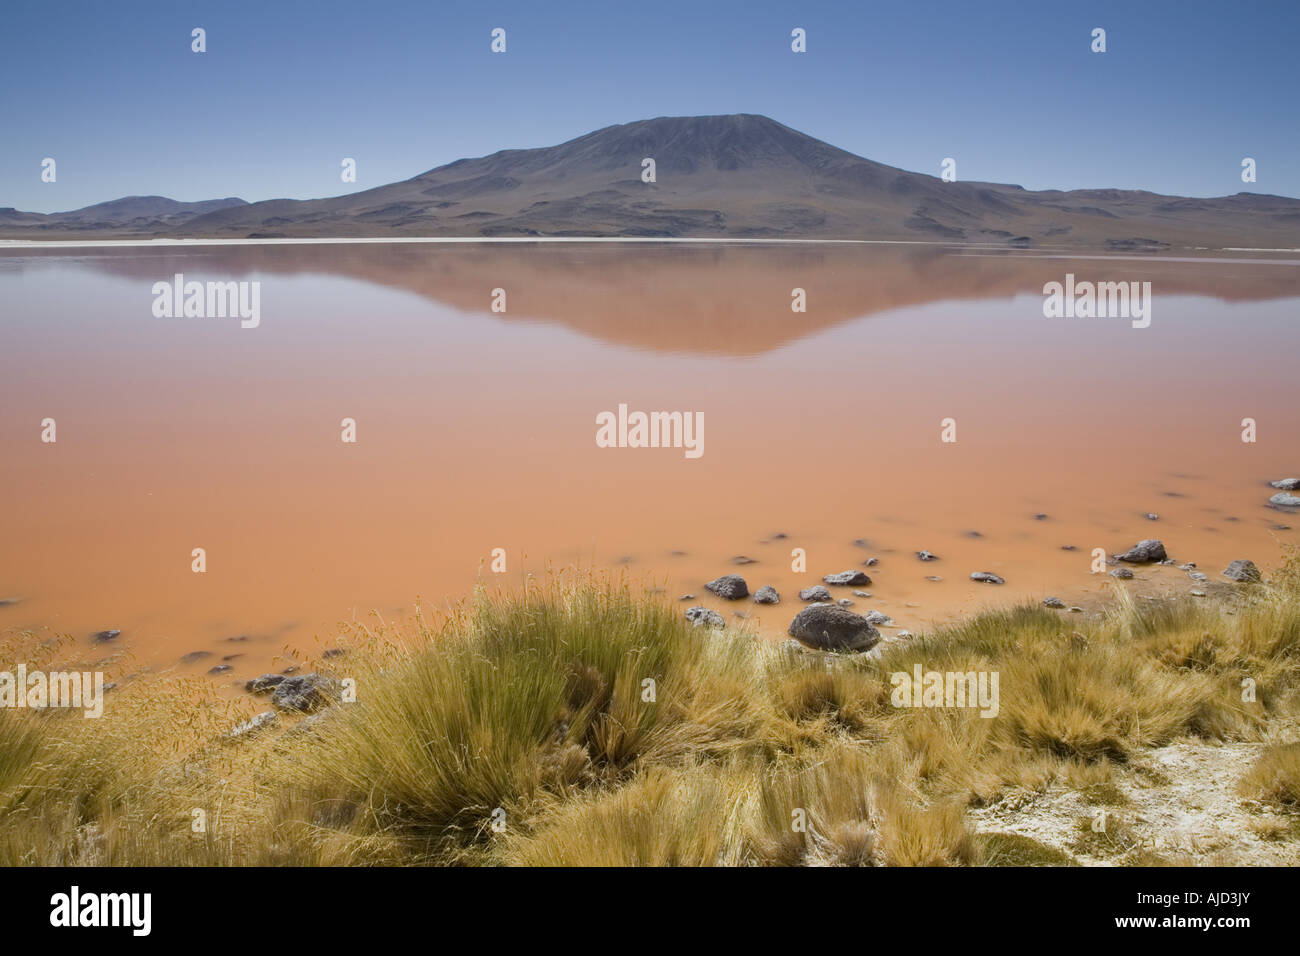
1013, 849
1275, 777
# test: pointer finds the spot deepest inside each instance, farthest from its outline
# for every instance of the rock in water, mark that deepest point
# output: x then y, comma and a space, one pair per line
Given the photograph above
879, 618
927, 556
264, 684
307, 693
767, 595
705, 617
1284, 500
1121, 573
1054, 602
103, 637
1286, 484
729, 586
987, 577
1144, 552
826, 627
1242, 570
817, 592
847, 578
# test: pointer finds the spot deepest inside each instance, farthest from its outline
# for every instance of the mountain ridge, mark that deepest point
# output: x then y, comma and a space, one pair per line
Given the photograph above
725, 176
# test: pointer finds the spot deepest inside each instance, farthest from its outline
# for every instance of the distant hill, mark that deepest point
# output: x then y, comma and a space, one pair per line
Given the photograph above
739, 176
136, 215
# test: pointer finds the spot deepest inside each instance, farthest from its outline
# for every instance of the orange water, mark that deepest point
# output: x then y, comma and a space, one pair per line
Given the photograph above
477, 430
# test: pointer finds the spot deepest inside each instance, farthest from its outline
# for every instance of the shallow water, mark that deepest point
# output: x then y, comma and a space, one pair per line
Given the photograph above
477, 430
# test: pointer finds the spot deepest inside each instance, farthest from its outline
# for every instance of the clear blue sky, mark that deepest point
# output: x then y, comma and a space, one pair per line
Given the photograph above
287, 89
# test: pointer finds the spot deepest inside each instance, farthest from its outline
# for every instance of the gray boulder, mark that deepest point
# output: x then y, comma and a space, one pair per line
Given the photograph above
705, 617
1284, 500
767, 595
1148, 551
817, 592
1242, 570
847, 578
987, 577
729, 586
1122, 573
1053, 602
264, 684
1286, 484
306, 693
826, 627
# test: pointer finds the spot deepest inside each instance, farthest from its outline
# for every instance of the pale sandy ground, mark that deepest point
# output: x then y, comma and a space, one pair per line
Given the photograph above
1182, 804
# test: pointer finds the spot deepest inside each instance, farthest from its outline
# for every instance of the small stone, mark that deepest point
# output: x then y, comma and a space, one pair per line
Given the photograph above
987, 577
1053, 602
844, 602
743, 559
1068, 547
767, 595
871, 562
220, 669
705, 617
729, 586
1151, 516
103, 637
1076, 609
1284, 500
879, 619
1198, 576
193, 656
927, 556
847, 578
1242, 570
863, 594
1286, 484
1040, 517
1198, 594
934, 578
687, 597
817, 592
1122, 573
260, 722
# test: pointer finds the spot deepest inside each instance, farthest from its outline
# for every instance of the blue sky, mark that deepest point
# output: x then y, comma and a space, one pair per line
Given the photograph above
286, 90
